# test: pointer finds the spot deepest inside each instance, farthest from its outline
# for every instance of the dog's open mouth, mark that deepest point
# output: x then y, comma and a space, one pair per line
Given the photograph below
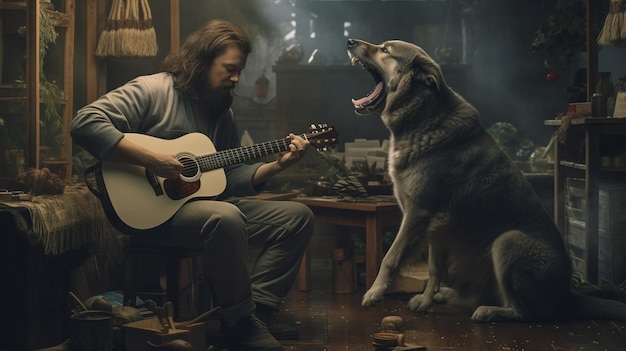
372, 100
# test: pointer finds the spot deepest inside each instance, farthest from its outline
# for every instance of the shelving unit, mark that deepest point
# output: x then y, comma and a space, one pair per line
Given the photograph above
24, 101
590, 161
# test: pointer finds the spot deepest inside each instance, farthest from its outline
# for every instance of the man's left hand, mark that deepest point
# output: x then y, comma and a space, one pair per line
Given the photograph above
297, 149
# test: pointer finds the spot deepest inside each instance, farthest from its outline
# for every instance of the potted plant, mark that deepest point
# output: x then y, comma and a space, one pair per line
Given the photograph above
562, 37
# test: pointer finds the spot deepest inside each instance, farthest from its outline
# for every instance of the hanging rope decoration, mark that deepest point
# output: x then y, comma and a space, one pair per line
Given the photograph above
614, 30
128, 31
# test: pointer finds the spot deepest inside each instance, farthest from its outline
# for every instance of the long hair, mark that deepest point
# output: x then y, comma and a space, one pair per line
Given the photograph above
190, 63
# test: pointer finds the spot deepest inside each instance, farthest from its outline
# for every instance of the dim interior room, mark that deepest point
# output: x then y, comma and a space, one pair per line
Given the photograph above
548, 78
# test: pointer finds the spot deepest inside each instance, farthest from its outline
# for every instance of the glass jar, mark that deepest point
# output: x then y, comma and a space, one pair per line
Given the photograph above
605, 89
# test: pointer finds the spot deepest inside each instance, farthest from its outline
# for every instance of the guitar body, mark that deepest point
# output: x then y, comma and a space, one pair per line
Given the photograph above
137, 201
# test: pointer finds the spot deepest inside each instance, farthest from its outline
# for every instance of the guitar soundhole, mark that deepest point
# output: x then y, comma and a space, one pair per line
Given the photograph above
191, 168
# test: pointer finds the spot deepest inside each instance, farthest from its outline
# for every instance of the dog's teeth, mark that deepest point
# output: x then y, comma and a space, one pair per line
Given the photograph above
353, 60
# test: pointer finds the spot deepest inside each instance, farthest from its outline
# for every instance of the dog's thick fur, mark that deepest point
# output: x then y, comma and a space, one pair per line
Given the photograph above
491, 244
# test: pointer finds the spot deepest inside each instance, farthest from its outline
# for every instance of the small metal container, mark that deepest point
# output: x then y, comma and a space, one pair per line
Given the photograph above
599, 105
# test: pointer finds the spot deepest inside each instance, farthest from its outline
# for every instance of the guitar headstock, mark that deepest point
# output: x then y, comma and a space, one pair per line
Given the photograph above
322, 136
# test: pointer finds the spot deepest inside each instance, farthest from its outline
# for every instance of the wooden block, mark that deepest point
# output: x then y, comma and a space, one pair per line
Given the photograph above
139, 333
411, 280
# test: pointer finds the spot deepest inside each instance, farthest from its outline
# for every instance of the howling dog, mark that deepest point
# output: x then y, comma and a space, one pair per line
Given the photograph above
492, 246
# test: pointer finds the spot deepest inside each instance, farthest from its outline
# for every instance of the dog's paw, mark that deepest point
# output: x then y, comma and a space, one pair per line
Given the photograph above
372, 296
444, 295
495, 313
440, 298
420, 302
483, 314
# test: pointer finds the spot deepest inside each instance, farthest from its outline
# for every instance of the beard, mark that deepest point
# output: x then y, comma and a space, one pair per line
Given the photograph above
216, 100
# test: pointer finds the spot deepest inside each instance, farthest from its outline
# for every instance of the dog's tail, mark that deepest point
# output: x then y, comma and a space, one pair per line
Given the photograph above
580, 306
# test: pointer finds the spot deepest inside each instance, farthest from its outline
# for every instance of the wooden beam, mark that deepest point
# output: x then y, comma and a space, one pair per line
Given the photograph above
68, 83
96, 68
592, 47
91, 42
32, 84
174, 24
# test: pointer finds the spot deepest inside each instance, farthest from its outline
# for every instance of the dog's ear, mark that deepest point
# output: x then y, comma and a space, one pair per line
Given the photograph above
429, 79
426, 72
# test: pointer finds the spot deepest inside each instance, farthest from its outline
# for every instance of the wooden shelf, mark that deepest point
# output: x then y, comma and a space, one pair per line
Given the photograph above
14, 99
62, 19
588, 142
16, 15
574, 165
602, 121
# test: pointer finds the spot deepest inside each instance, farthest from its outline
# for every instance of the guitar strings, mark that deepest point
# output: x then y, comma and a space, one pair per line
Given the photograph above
224, 158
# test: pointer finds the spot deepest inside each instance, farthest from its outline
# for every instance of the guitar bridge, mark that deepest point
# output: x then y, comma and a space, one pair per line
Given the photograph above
154, 183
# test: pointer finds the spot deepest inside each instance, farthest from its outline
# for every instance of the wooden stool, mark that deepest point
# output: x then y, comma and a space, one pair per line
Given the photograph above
172, 258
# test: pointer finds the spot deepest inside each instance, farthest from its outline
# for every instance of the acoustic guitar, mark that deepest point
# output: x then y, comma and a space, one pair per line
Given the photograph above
136, 200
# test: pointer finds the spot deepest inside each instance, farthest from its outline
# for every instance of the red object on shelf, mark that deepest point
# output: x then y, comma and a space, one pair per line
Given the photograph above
552, 76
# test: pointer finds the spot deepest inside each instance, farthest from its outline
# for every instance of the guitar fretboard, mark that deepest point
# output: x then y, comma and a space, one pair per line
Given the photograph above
225, 158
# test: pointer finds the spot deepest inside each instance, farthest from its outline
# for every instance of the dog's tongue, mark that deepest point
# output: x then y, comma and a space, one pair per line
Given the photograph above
370, 97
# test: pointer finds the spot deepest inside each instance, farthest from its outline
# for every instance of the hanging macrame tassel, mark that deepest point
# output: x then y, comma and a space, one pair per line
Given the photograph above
129, 31
147, 35
116, 42
614, 30
108, 38
138, 35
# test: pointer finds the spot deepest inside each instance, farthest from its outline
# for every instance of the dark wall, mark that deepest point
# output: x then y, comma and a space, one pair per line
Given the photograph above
505, 80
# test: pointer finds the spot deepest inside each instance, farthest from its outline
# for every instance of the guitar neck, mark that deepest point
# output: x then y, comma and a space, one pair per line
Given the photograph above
228, 157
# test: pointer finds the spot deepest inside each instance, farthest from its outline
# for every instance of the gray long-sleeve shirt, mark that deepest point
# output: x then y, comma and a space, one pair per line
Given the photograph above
151, 105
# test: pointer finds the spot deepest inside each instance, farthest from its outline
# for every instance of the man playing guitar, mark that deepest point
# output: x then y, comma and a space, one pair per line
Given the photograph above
194, 94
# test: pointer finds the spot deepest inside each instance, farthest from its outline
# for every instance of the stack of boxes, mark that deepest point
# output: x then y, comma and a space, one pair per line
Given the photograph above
612, 233
575, 233
611, 229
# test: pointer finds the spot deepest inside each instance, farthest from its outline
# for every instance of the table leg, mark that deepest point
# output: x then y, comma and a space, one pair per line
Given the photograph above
304, 274
373, 247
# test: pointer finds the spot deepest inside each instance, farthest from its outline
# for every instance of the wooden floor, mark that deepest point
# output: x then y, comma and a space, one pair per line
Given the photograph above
331, 322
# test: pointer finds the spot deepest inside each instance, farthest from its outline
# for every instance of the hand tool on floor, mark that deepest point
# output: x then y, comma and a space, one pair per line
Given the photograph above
169, 313
158, 312
200, 318
162, 315
78, 301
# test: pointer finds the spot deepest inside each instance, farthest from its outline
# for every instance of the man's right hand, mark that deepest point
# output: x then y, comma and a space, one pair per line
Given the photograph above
162, 165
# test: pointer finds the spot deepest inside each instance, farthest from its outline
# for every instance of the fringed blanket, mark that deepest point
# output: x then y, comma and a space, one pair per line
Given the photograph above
68, 221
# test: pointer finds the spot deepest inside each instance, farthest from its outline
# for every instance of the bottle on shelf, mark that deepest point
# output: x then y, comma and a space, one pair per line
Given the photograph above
604, 97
